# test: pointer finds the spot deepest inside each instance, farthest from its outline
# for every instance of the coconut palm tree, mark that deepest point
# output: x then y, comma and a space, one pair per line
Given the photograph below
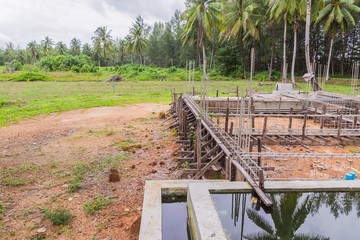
9, 51
86, 50
138, 41
201, 15
282, 10
104, 38
75, 46
97, 49
61, 48
299, 13
32, 49
239, 17
336, 19
46, 45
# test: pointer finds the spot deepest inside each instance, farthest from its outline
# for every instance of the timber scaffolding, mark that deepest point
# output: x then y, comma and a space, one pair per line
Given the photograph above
210, 139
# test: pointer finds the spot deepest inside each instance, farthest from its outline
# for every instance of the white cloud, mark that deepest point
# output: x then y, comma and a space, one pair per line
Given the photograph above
22, 21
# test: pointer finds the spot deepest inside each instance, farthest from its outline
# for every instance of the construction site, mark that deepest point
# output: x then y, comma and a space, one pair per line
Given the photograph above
307, 139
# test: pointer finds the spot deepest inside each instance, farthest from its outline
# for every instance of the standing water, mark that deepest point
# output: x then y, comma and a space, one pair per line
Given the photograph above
174, 218
321, 215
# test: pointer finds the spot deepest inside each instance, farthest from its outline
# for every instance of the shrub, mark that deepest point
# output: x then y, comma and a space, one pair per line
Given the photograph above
75, 69
85, 69
172, 69
29, 76
59, 216
17, 66
264, 76
237, 73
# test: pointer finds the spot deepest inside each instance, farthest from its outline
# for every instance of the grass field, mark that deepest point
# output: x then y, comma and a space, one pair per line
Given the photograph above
21, 100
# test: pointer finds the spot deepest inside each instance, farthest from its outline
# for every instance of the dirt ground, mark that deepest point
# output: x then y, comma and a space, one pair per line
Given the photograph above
40, 157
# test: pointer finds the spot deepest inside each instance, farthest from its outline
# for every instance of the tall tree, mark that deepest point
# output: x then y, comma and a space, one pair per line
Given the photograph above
202, 15
239, 17
75, 47
61, 48
32, 49
103, 39
138, 37
336, 19
46, 46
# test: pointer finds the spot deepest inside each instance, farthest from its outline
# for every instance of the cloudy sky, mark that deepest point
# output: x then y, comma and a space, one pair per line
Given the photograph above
22, 21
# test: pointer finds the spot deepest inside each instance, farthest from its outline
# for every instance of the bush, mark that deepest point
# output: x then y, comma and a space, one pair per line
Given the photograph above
29, 76
85, 69
59, 216
75, 69
172, 69
64, 63
264, 76
17, 66
237, 73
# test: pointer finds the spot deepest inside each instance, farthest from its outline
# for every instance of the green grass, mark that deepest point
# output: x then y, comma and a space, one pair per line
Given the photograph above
22, 100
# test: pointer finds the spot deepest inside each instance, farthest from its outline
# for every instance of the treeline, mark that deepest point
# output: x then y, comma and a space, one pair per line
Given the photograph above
220, 32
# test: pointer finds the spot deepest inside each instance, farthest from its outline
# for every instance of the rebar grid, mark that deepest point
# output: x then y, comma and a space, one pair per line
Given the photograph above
237, 153
312, 166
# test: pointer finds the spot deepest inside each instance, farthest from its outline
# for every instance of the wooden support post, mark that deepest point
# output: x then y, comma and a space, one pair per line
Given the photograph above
185, 116
290, 118
193, 91
237, 91
355, 118
304, 127
279, 106
261, 179
316, 112
259, 150
227, 116
218, 119
217, 93
227, 163
264, 127
339, 125
231, 128
252, 117
197, 154
251, 146
322, 119
172, 96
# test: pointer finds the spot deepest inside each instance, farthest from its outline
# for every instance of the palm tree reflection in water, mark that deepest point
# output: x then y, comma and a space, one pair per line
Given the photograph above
288, 214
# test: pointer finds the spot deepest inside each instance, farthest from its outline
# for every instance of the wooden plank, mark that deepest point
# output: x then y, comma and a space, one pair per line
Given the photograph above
197, 154
209, 153
265, 199
227, 116
208, 165
264, 127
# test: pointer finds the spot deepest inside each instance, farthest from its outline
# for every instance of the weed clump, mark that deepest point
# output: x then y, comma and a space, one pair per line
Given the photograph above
99, 202
162, 115
59, 216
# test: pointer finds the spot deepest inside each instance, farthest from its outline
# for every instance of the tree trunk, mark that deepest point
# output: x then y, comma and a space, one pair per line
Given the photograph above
343, 55
105, 58
294, 53
242, 55
204, 60
284, 51
140, 59
328, 64
272, 50
198, 50
307, 37
212, 54
132, 59
99, 60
